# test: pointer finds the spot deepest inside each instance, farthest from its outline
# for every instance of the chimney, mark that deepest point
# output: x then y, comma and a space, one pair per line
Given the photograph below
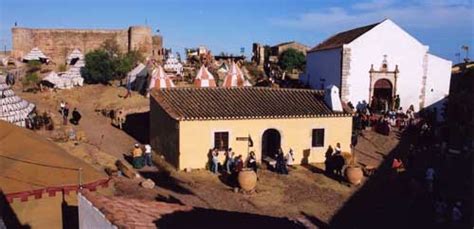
331, 98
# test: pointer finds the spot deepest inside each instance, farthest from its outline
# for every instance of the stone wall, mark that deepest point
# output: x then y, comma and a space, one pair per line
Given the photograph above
277, 50
58, 43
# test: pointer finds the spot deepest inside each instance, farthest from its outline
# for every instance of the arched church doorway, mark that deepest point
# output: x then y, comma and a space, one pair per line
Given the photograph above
383, 94
271, 142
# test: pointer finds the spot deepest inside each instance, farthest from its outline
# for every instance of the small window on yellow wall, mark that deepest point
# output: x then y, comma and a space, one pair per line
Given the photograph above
221, 140
317, 138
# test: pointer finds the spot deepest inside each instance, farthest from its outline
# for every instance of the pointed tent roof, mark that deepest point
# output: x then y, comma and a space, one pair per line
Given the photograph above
53, 78
159, 79
35, 54
204, 78
234, 77
223, 68
136, 71
13, 109
342, 38
76, 54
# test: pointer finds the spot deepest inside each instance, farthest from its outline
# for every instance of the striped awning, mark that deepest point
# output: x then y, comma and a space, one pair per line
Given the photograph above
159, 79
204, 78
234, 77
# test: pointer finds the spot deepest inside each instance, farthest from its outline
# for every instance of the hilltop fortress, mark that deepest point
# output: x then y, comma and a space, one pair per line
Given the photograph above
58, 43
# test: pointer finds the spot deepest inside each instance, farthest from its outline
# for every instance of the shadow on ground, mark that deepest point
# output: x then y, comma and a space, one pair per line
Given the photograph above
70, 215
165, 181
137, 126
391, 200
211, 218
7, 216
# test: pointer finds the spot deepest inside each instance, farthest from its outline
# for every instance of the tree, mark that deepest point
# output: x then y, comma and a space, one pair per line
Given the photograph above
111, 47
108, 63
292, 59
99, 67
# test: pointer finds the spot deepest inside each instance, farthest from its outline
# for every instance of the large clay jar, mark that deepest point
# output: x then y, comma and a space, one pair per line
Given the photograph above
354, 174
247, 179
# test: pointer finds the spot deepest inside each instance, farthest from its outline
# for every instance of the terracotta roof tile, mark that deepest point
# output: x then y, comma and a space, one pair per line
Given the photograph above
336, 41
132, 213
242, 103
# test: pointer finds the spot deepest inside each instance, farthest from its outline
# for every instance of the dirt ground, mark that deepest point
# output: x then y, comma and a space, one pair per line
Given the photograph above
306, 194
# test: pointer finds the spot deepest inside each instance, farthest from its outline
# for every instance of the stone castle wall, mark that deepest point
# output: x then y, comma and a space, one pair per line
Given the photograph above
58, 43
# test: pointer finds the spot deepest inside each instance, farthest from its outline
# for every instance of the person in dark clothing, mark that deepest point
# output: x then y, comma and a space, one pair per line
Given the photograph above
252, 163
76, 116
65, 113
280, 163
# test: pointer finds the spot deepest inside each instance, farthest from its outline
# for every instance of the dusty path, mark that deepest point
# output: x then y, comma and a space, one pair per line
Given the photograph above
97, 128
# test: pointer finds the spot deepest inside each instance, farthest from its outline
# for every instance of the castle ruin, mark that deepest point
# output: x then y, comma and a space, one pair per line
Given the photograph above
58, 43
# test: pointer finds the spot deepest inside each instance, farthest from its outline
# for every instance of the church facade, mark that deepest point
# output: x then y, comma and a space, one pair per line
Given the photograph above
378, 62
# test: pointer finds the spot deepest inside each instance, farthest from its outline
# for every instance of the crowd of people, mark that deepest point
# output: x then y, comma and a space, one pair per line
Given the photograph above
383, 120
233, 164
433, 173
427, 168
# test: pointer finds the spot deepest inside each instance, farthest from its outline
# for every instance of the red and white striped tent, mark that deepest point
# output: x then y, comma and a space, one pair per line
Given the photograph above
159, 79
235, 77
204, 78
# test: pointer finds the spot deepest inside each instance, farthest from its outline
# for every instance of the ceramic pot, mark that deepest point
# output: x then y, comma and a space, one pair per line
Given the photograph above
247, 179
354, 174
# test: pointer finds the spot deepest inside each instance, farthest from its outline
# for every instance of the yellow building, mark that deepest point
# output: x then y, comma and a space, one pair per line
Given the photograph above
187, 122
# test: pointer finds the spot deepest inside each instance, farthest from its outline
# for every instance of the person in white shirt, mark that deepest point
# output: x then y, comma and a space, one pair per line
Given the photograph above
148, 155
290, 158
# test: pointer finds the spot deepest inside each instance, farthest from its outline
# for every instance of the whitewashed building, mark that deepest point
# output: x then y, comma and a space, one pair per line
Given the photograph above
172, 64
379, 61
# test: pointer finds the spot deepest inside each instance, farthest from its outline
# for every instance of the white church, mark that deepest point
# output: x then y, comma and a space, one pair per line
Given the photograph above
378, 62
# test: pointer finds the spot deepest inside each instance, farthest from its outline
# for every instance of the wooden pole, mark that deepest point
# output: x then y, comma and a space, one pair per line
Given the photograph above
80, 178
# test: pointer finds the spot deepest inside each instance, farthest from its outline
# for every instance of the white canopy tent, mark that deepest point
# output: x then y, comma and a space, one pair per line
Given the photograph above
35, 54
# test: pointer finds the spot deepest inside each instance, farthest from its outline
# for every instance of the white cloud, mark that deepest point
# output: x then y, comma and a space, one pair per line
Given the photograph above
423, 14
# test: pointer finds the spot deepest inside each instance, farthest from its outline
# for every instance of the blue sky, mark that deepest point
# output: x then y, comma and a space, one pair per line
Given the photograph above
225, 26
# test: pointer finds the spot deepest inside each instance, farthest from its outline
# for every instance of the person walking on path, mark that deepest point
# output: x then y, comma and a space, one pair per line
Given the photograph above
62, 105
76, 117
65, 113
137, 155
148, 161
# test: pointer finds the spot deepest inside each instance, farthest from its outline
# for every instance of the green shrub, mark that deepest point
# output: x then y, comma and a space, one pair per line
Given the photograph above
99, 67
292, 59
33, 65
31, 79
108, 63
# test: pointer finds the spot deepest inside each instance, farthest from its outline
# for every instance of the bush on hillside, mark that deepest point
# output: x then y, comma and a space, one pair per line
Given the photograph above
31, 79
33, 66
108, 63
